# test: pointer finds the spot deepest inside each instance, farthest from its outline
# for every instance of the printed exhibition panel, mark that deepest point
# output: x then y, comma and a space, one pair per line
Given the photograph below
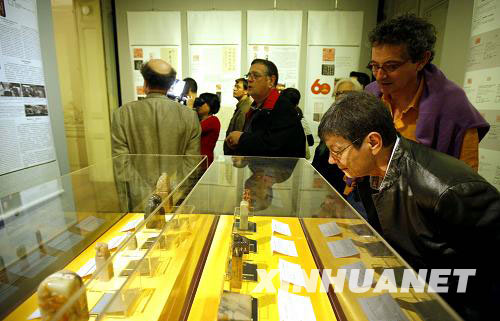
24, 112
482, 82
325, 66
142, 54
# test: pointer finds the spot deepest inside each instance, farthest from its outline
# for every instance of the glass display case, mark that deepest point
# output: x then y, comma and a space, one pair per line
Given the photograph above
301, 231
250, 238
56, 225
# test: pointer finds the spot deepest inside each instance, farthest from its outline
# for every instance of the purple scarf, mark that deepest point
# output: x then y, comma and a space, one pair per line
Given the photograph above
444, 113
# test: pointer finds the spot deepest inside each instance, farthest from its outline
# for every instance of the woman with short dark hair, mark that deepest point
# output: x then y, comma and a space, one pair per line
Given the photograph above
207, 105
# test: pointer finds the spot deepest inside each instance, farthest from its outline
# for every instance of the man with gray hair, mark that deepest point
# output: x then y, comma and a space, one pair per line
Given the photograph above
435, 210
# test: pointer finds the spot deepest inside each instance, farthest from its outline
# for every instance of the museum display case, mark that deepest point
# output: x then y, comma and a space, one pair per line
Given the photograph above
57, 225
297, 222
250, 238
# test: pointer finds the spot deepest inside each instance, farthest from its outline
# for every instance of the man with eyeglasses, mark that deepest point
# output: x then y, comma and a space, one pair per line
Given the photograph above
272, 127
426, 107
433, 209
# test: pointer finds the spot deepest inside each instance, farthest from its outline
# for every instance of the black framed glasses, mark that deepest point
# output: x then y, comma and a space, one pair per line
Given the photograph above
387, 67
338, 155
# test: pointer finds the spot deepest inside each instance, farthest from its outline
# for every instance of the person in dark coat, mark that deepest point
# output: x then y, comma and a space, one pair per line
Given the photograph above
272, 127
432, 208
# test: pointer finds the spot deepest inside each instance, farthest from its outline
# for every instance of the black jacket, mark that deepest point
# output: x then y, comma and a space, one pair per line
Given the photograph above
275, 132
438, 213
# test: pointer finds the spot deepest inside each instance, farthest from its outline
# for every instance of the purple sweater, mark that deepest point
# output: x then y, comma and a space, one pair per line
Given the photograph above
444, 113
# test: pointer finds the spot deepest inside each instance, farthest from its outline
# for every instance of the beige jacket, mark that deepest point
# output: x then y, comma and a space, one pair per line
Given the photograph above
155, 125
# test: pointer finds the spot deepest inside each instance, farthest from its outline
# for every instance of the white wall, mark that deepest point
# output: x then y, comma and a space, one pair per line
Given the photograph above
369, 9
456, 40
452, 19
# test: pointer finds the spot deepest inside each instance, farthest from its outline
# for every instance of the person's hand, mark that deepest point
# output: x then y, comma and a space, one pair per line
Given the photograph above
233, 139
190, 102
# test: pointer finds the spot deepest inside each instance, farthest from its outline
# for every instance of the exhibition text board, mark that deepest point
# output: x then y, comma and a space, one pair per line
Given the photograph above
482, 82
25, 128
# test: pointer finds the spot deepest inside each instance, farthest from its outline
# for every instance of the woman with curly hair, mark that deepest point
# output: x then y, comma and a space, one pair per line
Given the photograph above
426, 107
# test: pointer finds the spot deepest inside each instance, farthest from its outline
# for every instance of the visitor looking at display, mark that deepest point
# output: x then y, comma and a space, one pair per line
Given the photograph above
207, 105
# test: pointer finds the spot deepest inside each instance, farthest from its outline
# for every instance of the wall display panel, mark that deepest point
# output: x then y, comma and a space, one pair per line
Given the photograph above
25, 127
484, 51
489, 167
286, 59
142, 54
483, 88
214, 39
215, 67
335, 28
146, 45
326, 65
274, 27
486, 16
334, 39
154, 28
214, 27
482, 82
492, 140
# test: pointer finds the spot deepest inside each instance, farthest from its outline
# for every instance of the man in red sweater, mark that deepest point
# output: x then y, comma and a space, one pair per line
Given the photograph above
272, 126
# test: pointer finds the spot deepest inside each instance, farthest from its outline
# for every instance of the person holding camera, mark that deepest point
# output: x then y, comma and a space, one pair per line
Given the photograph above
191, 91
207, 105
155, 124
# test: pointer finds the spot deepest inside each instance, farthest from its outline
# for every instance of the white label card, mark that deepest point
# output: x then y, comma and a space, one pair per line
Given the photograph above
131, 225
280, 227
343, 248
291, 273
90, 223
329, 229
382, 307
65, 241
283, 246
35, 315
294, 307
87, 269
116, 241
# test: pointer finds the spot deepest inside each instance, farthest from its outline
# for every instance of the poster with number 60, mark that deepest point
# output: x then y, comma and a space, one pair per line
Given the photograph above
325, 65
